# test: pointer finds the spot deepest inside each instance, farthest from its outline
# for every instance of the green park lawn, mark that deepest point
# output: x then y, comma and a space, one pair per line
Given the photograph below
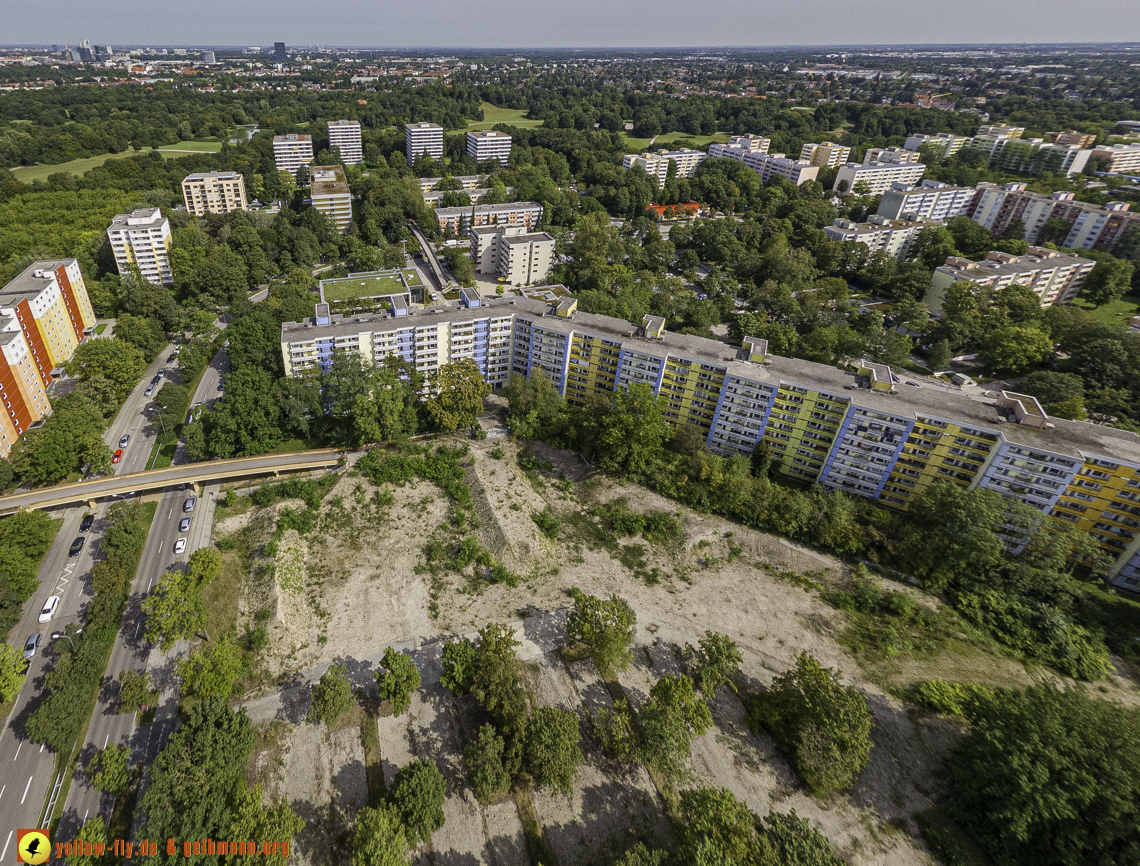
492, 114
1114, 312
639, 144
29, 173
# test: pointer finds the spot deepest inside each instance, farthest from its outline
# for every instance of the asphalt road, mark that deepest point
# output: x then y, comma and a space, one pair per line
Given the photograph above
136, 418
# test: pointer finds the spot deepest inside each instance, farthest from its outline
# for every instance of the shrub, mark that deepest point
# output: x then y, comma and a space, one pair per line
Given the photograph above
956, 699
484, 759
379, 838
458, 666
668, 721
615, 729
823, 726
397, 680
417, 795
551, 751
547, 522
469, 551
715, 662
226, 542
332, 696
604, 625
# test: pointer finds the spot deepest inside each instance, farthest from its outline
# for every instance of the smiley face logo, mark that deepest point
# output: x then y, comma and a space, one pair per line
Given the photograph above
33, 846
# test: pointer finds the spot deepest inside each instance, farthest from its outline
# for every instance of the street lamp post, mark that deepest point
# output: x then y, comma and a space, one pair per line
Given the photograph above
58, 634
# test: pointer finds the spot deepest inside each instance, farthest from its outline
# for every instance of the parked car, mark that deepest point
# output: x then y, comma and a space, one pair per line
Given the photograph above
180, 545
221, 385
149, 390
125, 440
32, 644
184, 524
189, 504
87, 522
117, 456
162, 373
49, 609
77, 546
173, 357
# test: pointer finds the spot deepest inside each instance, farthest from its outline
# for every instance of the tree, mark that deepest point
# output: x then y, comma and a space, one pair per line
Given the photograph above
12, 672
248, 819
386, 410
134, 690
108, 770
205, 564
95, 832
715, 818
938, 356
497, 686
248, 420
173, 610
417, 795
1109, 281
823, 726
398, 679
1050, 777
789, 839
714, 663
606, 626
1015, 348
456, 395
146, 335
332, 696
633, 432
117, 361
668, 720
458, 666
483, 757
212, 672
379, 838
551, 751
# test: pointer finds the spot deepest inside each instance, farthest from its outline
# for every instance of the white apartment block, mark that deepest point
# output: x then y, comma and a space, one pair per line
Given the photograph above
948, 143
142, 239
827, 154
657, 164
433, 198
214, 192
423, 137
292, 151
932, 200
770, 165
878, 176
331, 195
1054, 277
465, 181
1119, 158
460, 220
345, 134
523, 259
487, 144
890, 155
878, 234
738, 145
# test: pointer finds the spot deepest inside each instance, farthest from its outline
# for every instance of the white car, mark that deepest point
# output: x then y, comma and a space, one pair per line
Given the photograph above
180, 545
49, 609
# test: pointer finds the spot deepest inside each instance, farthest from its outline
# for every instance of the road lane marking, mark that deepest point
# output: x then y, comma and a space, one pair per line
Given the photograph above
2, 790
18, 747
41, 748
85, 814
26, 787
4, 856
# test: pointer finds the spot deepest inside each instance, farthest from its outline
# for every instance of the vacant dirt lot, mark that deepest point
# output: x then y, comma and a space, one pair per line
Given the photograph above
358, 584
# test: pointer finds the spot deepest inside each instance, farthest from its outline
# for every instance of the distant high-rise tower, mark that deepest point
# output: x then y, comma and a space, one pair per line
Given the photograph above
279, 52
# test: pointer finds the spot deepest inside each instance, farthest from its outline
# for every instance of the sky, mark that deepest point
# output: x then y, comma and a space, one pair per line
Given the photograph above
564, 23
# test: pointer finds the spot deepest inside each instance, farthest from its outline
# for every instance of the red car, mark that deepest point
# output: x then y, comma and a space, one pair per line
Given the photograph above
117, 456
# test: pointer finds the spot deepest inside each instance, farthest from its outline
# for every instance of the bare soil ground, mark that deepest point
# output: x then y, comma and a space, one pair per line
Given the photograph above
347, 592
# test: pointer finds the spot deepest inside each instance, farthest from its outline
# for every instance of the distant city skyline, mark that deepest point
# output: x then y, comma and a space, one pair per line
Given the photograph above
578, 23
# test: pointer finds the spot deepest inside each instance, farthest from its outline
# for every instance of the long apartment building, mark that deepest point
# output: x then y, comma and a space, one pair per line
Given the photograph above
1091, 226
878, 177
656, 165
331, 195
879, 234
292, 151
345, 134
826, 154
931, 200
1054, 277
1079, 139
141, 239
421, 138
1118, 158
487, 144
517, 257
433, 198
738, 146
770, 165
48, 303
459, 220
890, 155
21, 388
848, 431
214, 192
947, 143
465, 181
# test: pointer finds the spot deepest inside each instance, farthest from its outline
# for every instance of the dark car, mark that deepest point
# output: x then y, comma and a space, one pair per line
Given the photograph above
87, 522
77, 546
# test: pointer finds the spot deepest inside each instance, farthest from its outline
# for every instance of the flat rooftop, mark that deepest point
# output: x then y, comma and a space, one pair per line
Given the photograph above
370, 285
328, 180
26, 285
215, 175
144, 217
509, 207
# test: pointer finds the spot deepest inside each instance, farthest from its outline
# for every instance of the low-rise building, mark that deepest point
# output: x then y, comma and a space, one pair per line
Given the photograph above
345, 135
878, 177
1055, 277
434, 197
141, 239
930, 200
459, 220
486, 144
331, 195
827, 154
292, 151
423, 138
656, 165
214, 192
465, 181
879, 234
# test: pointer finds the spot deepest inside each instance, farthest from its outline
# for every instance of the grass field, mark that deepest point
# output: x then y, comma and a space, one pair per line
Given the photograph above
29, 173
669, 137
492, 114
1115, 312
368, 287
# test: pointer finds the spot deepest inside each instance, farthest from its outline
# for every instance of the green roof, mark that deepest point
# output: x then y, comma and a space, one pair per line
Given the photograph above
374, 285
